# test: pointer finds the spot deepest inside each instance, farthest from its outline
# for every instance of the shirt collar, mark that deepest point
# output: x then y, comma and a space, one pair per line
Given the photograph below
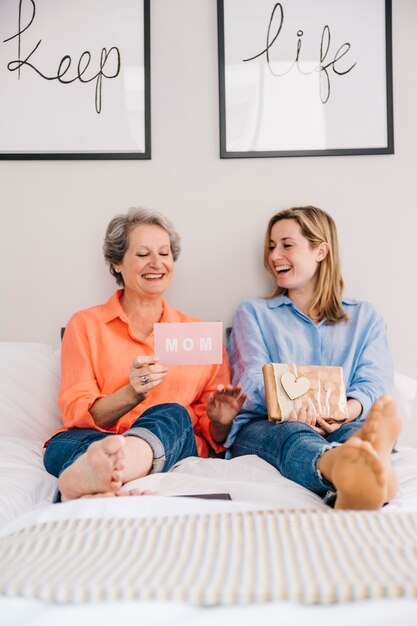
282, 300
113, 309
350, 302
278, 301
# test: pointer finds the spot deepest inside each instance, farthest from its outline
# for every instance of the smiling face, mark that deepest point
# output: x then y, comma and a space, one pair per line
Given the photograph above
147, 265
292, 260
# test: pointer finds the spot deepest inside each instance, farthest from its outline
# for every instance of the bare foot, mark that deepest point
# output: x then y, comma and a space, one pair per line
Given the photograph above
96, 472
107, 494
359, 477
382, 428
382, 425
360, 469
136, 492
120, 493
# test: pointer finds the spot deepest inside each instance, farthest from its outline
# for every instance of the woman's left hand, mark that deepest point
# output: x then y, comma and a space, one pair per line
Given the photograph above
354, 409
328, 428
225, 403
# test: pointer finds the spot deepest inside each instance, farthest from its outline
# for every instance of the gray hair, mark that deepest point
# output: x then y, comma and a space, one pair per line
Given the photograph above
116, 240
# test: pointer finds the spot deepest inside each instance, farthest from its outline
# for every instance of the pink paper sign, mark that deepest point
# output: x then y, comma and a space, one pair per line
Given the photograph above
190, 343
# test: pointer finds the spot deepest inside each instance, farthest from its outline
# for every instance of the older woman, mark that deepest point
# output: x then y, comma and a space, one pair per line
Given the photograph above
126, 415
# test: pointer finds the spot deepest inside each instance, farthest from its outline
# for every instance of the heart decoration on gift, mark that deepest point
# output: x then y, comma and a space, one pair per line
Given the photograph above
289, 386
294, 387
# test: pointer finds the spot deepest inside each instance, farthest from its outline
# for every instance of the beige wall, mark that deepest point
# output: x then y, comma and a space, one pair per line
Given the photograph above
54, 213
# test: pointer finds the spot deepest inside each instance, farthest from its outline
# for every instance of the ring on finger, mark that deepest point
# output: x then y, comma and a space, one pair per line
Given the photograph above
144, 380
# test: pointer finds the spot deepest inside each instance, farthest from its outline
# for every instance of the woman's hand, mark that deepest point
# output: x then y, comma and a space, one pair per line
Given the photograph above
222, 407
306, 415
327, 427
354, 409
145, 374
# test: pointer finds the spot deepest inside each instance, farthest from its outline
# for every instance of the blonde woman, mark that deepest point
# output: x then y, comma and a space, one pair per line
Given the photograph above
308, 321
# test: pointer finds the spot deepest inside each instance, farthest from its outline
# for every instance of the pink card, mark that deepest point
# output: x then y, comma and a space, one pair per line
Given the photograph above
190, 343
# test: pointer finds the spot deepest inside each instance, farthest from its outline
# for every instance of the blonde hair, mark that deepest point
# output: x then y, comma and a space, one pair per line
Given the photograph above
318, 227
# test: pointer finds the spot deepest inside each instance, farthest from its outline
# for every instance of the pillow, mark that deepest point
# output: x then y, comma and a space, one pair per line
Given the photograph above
29, 382
405, 392
24, 482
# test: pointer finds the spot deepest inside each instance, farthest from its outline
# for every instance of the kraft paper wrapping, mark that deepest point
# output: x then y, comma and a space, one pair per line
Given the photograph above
326, 394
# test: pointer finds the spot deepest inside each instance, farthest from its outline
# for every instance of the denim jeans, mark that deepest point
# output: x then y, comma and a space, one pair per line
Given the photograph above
166, 428
293, 448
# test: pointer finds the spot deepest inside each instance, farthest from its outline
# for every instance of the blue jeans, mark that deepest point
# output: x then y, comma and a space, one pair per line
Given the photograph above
166, 428
293, 448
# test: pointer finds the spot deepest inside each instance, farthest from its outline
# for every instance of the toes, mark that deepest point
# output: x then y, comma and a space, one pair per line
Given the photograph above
136, 492
119, 465
106, 494
384, 400
120, 455
114, 444
384, 404
116, 476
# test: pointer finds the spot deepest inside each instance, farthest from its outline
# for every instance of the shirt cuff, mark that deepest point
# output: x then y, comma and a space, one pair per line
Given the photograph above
363, 398
205, 433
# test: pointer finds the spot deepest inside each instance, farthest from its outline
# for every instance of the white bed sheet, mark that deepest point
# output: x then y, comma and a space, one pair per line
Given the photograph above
253, 484
26, 489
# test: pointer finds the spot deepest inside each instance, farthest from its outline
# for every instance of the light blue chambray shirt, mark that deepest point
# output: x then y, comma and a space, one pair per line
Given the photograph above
276, 331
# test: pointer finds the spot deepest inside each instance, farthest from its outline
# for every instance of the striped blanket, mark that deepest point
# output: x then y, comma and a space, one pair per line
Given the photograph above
216, 559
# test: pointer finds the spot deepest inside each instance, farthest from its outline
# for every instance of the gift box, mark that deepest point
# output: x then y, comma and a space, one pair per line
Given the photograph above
288, 387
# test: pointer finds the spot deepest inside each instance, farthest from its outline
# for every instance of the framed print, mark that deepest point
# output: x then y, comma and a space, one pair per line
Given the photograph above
305, 77
75, 79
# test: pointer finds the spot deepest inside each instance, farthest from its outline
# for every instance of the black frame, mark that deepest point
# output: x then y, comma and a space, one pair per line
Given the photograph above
225, 154
71, 156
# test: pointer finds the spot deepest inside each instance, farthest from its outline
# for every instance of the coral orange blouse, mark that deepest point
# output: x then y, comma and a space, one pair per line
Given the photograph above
97, 350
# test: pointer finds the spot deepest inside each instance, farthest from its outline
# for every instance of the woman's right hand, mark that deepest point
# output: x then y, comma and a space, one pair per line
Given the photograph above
145, 374
306, 415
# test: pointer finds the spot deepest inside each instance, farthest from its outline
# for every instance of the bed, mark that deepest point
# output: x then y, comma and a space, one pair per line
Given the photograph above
273, 553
